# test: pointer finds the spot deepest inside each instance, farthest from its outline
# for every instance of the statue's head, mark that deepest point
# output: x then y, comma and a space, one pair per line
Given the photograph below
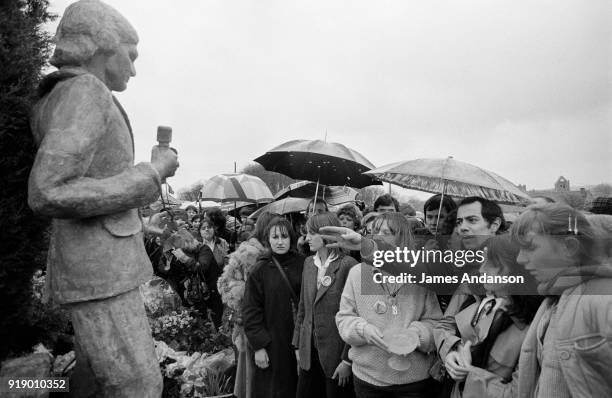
89, 27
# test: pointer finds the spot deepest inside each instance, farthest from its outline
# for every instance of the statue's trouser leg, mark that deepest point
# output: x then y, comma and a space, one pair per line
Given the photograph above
115, 349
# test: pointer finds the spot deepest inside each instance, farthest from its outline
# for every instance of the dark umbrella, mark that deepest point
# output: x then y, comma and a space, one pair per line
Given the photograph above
328, 163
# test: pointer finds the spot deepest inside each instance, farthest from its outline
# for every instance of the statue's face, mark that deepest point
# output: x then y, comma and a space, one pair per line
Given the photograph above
120, 67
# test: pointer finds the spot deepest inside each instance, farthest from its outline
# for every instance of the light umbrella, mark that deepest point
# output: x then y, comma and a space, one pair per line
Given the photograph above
450, 177
236, 188
283, 206
306, 189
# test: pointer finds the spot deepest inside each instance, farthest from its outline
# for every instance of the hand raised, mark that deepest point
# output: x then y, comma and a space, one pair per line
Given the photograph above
341, 237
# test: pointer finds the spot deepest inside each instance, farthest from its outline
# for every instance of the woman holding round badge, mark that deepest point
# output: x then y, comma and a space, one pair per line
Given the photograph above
388, 325
319, 347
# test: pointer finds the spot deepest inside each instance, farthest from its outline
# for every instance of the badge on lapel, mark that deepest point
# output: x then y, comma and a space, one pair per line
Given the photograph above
380, 307
326, 280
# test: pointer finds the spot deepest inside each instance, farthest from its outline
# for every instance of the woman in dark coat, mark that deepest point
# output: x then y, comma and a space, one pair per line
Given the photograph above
209, 267
268, 313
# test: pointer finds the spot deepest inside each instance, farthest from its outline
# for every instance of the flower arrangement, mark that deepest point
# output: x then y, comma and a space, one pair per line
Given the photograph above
172, 325
159, 297
187, 330
196, 375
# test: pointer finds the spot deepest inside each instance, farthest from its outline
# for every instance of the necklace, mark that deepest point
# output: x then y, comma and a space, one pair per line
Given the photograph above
392, 296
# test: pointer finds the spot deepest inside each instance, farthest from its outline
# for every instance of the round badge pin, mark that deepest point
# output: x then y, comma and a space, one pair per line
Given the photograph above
326, 280
380, 307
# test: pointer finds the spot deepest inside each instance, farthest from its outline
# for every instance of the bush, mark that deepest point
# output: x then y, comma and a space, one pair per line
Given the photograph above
24, 50
48, 323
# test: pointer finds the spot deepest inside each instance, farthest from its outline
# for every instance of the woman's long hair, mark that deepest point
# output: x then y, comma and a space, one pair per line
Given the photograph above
206, 220
319, 221
399, 226
285, 227
502, 252
261, 225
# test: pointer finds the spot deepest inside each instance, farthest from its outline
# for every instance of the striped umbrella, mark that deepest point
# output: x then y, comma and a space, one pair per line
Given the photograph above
236, 188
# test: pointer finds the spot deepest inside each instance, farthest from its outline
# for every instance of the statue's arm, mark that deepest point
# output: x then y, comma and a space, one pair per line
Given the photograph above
74, 127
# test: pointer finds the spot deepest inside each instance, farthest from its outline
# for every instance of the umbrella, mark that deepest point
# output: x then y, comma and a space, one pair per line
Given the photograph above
306, 189
283, 206
236, 188
204, 205
326, 162
450, 177
512, 208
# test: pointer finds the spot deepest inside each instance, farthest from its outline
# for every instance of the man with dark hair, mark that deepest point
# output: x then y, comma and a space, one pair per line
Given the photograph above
477, 220
191, 212
221, 228
320, 206
430, 211
386, 204
245, 212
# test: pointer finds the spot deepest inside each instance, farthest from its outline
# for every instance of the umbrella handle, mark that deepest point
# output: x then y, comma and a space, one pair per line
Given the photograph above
440, 208
200, 203
442, 197
314, 203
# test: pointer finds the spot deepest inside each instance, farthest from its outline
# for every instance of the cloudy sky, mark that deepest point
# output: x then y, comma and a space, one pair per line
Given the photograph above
522, 88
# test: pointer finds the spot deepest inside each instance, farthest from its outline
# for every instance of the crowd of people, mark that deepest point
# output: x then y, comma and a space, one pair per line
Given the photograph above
310, 320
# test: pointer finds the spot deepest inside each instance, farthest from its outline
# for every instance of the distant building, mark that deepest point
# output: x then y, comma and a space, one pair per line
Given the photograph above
562, 193
562, 185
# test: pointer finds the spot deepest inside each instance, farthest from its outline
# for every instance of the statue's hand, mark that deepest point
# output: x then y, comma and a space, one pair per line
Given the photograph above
164, 160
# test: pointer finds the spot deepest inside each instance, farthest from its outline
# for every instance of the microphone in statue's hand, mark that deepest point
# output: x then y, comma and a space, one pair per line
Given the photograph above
164, 135
163, 158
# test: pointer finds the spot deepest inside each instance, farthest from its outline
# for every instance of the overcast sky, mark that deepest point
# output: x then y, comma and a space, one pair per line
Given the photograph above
522, 88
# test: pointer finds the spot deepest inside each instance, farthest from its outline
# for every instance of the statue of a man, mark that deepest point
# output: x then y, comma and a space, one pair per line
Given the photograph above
84, 177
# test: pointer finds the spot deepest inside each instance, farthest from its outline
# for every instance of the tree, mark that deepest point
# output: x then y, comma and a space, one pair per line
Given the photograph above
24, 51
369, 194
275, 181
415, 202
191, 193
